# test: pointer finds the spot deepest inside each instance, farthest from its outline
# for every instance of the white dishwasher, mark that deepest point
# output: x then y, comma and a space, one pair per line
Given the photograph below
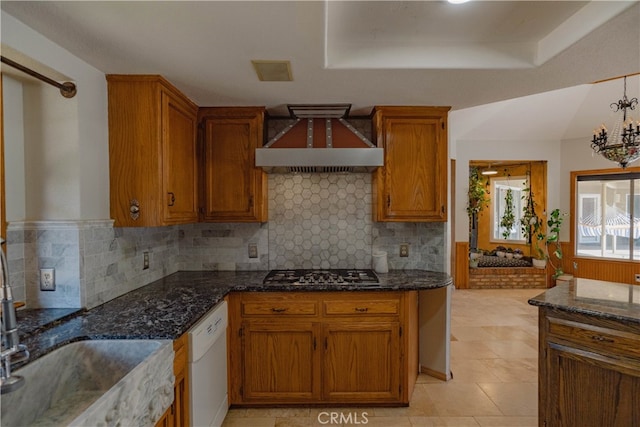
208, 368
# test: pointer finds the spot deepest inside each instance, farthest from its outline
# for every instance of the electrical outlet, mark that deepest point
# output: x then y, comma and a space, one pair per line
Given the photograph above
145, 260
47, 279
404, 250
253, 251
637, 278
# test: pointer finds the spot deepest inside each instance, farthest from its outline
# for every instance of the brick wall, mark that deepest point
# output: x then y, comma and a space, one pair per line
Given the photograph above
507, 278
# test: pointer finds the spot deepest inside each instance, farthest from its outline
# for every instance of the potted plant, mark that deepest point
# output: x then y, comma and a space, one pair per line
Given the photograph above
477, 200
544, 241
508, 218
553, 237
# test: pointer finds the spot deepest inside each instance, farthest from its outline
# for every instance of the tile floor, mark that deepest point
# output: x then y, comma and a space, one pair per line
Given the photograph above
494, 366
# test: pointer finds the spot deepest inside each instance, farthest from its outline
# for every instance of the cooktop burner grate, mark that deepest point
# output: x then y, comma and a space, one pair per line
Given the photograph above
322, 276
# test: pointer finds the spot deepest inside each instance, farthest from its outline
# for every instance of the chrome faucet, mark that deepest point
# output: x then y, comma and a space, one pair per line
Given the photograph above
11, 350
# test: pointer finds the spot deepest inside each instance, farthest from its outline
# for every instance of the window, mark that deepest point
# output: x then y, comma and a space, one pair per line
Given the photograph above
499, 190
608, 216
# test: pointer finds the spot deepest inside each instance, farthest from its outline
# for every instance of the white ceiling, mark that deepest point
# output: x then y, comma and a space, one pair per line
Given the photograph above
359, 52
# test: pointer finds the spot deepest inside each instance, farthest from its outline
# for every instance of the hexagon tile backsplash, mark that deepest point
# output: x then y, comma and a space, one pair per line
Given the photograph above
320, 221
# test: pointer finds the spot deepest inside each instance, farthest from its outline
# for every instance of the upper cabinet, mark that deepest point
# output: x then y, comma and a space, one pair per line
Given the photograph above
234, 189
412, 185
152, 152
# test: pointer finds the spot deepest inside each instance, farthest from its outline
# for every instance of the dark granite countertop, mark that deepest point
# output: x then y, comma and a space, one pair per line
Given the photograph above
608, 300
167, 308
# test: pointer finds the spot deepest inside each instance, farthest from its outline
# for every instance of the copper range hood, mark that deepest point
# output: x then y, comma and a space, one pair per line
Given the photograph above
320, 140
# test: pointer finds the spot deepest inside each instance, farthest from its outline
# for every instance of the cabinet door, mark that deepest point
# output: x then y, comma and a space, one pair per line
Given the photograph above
179, 161
233, 185
415, 172
362, 361
281, 362
591, 390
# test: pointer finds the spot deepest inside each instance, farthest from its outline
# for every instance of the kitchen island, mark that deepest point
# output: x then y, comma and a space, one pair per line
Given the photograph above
589, 354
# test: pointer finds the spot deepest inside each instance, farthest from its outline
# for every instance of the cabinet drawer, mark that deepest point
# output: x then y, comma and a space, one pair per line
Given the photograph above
362, 307
279, 308
599, 338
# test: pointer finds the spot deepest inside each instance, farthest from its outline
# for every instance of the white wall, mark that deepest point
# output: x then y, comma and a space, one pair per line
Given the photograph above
468, 150
14, 149
554, 126
69, 177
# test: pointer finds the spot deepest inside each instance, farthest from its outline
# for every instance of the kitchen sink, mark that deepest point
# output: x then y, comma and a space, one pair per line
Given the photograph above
97, 382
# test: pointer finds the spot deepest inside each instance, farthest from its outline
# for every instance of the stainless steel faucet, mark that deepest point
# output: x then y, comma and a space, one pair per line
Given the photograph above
11, 350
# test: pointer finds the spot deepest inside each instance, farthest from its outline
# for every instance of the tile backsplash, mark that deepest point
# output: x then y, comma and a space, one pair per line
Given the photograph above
315, 221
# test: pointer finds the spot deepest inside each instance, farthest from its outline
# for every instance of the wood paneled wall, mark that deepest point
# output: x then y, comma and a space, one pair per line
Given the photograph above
462, 266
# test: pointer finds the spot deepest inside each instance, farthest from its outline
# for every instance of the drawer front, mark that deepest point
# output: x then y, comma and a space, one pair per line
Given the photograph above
389, 307
279, 308
602, 339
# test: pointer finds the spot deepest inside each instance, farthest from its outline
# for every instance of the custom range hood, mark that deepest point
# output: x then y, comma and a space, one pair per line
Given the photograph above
320, 140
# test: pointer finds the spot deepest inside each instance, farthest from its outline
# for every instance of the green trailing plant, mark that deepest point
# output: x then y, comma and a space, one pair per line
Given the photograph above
478, 195
553, 238
508, 218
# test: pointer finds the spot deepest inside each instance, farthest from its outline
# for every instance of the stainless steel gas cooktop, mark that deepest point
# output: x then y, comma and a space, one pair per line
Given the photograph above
322, 277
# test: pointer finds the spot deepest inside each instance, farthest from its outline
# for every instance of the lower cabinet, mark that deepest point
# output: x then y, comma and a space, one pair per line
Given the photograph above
589, 371
178, 413
322, 347
362, 361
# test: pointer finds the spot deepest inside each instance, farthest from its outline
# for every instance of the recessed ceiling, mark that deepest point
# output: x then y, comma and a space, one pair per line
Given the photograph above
361, 52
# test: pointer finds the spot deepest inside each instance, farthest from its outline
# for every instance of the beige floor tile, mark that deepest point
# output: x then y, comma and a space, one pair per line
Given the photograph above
471, 350
409, 411
509, 333
507, 421
306, 422
444, 421
455, 399
385, 422
513, 399
511, 349
473, 371
471, 333
513, 370
249, 422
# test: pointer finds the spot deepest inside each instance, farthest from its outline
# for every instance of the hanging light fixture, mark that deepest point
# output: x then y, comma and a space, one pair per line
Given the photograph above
622, 145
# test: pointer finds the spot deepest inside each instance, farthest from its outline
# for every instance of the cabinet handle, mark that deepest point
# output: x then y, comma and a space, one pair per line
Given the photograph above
361, 309
314, 343
442, 209
250, 202
134, 209
278, 310
172, 198
388, 201
600, 338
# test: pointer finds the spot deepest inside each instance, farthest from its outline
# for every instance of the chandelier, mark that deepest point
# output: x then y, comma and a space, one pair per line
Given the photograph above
622, 145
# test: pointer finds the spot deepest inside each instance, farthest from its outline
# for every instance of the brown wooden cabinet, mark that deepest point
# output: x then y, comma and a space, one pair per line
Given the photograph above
589, 370
152, 152
412, 185
178, 413
322, 347
234, 189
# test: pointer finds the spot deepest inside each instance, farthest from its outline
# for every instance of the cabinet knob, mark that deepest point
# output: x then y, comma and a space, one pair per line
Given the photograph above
134, 209
172, 198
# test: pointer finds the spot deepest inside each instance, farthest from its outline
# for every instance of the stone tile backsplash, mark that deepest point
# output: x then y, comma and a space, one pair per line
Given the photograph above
315, 221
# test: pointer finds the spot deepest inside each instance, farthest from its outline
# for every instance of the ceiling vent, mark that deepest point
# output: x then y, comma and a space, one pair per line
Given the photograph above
273, 71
